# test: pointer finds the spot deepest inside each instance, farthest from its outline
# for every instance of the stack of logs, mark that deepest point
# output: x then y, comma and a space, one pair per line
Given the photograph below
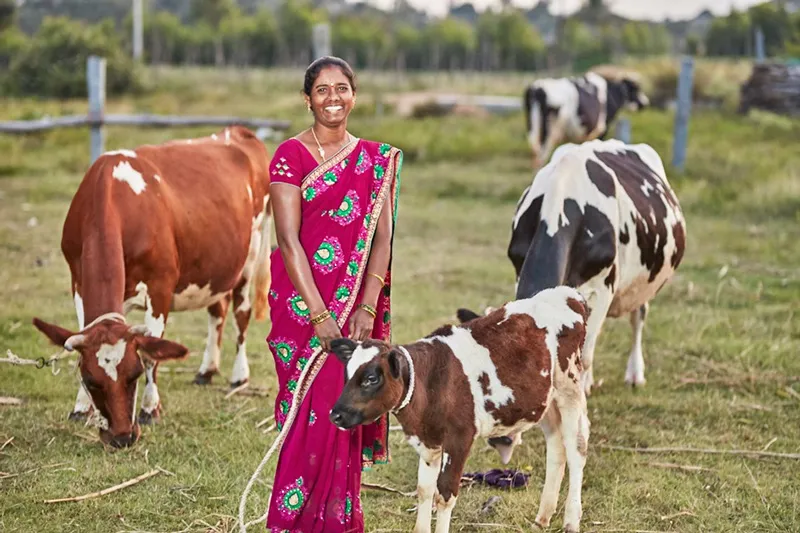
773, 87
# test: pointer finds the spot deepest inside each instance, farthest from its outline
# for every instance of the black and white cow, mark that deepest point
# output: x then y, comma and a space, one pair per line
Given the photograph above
575, 110
600, 217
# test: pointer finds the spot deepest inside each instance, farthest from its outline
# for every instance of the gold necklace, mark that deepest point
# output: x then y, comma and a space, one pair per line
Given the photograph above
319, 146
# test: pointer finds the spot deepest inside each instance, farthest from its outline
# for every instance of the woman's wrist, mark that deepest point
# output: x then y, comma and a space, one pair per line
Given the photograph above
369, 309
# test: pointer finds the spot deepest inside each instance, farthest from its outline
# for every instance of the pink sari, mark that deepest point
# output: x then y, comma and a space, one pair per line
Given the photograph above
318, 479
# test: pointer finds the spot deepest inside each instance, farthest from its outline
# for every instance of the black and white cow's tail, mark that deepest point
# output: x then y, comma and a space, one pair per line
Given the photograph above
535, 101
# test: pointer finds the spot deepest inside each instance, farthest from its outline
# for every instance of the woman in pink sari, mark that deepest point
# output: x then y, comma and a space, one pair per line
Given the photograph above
335, 202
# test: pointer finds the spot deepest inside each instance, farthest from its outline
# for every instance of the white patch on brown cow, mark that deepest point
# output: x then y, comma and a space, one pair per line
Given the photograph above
125, 172
109, 357
126, 153
150, 398
227, 136
360, 357
157, 178
195, 297
155, 324
214, 137
211, 356
250, 192
79, 310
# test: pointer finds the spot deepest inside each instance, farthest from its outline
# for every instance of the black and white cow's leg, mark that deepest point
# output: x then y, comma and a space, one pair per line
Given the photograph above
83, 402
634, 374
427, 475
556, 461
211, 356
555, 137
599, 300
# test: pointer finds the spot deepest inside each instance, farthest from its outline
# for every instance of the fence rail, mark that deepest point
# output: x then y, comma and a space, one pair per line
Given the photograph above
152, 121
96, 118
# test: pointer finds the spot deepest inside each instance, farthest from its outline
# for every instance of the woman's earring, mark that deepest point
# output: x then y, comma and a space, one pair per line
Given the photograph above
308, 107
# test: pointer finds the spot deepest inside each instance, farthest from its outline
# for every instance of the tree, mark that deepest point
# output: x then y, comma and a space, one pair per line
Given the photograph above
8, 12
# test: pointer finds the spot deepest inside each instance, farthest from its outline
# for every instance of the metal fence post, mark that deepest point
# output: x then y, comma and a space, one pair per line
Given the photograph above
321, 40
96, 84
681, 133
760, 53
138, 29
622, 131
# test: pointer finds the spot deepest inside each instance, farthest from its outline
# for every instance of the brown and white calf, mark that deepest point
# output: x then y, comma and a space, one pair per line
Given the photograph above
575, 110
173, 227
496, 375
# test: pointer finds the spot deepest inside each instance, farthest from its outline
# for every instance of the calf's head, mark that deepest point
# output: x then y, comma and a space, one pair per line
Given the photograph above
110, 363
374, 382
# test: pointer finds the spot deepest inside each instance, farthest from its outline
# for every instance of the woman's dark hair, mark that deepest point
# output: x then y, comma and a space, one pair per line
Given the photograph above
316, 67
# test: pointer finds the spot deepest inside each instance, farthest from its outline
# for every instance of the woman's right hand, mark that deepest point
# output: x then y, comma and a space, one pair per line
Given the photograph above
326, 331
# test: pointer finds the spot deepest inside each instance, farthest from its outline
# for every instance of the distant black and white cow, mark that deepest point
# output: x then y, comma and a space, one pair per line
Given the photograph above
600, 217
497, 375
575, 110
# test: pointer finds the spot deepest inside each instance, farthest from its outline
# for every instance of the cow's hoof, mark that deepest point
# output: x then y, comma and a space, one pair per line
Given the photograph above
541, 522
148, 419
79, 416
571, 528
204, 378
635, 382
239, 383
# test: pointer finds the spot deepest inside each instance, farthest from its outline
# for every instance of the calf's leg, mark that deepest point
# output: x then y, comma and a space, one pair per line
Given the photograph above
454, 457
556, 460
571, 402
426, 488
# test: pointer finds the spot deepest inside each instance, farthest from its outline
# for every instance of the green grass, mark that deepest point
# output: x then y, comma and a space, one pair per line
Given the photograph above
721, 350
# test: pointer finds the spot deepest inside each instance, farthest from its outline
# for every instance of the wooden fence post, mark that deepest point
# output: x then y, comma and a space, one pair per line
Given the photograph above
681, 132
96, 83
622, 131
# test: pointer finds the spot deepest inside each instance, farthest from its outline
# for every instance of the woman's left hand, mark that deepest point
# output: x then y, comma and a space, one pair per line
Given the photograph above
361, 324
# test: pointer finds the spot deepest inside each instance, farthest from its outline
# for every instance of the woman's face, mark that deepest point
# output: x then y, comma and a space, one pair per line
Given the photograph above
332, 97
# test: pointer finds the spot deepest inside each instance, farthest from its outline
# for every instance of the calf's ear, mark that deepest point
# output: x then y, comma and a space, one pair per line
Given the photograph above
395, 359
343, 349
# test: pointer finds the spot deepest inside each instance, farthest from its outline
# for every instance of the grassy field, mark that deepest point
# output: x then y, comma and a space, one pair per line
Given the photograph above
721, 343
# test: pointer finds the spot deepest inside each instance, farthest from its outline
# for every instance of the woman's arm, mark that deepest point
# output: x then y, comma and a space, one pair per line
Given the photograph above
362, 322
286, 205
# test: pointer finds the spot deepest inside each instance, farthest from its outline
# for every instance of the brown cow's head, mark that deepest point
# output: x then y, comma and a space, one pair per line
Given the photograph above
375, 374
110, 366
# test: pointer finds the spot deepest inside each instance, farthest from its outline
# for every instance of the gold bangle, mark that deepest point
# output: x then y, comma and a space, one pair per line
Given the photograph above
320, 318
383, 283
369, 309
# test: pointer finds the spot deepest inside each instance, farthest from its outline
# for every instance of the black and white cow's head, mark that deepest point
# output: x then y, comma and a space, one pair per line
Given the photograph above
633, 94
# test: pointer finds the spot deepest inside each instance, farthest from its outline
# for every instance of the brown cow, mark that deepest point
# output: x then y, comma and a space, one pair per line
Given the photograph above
494, 376
172, 227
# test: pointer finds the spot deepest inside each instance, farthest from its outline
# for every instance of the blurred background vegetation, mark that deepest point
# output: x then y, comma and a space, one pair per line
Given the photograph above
44, 43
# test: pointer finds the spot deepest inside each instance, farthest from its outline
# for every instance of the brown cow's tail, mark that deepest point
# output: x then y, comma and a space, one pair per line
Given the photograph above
262, 273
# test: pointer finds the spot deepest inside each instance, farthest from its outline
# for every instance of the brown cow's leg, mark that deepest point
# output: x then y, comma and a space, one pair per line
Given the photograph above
241, 312
216, 324
157, 304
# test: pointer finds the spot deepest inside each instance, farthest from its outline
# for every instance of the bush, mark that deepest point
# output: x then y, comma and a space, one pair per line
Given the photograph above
54, 62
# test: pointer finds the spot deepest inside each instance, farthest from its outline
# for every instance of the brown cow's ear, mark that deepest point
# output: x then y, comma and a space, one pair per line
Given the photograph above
343, 349
56, 334
160, 349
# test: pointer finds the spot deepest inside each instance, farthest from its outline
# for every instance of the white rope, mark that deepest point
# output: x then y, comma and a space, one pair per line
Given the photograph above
410, 392
14, 359
278, 443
